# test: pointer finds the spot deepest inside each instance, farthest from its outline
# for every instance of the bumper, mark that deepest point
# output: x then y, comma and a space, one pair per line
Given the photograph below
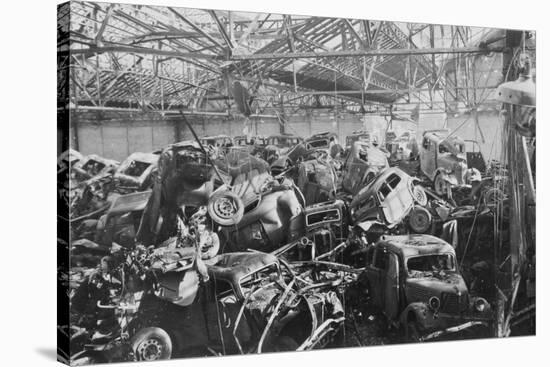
453, 329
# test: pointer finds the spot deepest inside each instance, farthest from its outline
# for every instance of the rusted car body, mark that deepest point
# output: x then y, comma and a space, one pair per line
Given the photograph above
91, 166
387, 200
362, 164
320, 140
135, 172
316, 177
217, 141
414, 280
359, 135
279, 216
443, 160
277, 146
474, 156
121, 222
240, 303
185, 178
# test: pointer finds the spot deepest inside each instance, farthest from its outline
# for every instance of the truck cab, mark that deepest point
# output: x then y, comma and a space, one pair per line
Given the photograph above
415, 282
443, 160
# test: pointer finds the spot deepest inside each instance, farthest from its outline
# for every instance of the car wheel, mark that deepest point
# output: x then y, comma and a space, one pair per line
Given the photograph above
226, 208
440, 185
420, 219
151, 344
420, 196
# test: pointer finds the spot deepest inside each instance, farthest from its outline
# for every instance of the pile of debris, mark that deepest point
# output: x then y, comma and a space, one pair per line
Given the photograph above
221, 246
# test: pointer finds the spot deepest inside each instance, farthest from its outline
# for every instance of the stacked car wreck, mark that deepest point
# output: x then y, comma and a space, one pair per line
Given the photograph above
207, 249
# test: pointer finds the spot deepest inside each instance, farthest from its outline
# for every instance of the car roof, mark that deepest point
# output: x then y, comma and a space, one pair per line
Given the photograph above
233, 266
283, 136
442, 135
97, 158
415, 244
221, 136
185, 143
130, 202
143, 157
374, 185
322, 135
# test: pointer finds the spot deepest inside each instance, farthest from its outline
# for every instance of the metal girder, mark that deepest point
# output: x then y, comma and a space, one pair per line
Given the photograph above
355, 53
196, 28
222, 30
99, 35
143, 50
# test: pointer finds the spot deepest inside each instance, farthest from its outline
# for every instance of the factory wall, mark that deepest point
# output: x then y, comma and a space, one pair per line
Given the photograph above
117, 136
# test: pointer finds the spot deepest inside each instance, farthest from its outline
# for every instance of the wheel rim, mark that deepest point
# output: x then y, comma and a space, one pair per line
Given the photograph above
225, 208
149, 350
420, 196
420, 221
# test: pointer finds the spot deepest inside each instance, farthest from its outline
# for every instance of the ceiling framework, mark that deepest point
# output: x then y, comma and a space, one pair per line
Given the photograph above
170, 59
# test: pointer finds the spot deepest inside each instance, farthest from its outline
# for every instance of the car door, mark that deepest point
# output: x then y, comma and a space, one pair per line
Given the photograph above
391, 286
377, 276
428, 157
395, 198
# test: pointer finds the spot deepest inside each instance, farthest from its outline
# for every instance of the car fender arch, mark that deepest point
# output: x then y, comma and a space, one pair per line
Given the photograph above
416, 310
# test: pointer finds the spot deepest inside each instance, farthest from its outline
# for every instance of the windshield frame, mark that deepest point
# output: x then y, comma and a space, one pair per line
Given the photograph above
450, 254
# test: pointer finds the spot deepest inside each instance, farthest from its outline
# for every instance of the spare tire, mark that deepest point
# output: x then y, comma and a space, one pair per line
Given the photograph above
420, 219
226, 208
420, 196
151, 344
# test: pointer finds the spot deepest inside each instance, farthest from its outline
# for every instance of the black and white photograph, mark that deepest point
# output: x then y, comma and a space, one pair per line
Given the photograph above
233, 182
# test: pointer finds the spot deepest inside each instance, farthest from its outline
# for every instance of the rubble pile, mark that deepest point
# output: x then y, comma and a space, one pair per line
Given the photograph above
232, 246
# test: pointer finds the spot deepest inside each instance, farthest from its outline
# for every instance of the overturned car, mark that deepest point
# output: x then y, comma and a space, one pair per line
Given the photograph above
391, 197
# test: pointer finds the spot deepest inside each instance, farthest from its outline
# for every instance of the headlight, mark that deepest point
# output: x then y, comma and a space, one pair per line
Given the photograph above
480, 305
434, 303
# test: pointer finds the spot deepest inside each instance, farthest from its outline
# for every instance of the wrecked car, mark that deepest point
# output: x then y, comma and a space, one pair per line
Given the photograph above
188, 178
119, 224
359, 135
238, 303
217, 141
316, 177
91, 166
320, 140
414, 280
135, 172
443, 160
277, 146
390, 197
279, 216
362, 164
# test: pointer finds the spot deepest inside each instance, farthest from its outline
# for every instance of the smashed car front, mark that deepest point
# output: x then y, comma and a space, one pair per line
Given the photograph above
440, 301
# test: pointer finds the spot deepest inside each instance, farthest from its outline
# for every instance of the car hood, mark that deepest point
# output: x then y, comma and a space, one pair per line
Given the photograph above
420, 286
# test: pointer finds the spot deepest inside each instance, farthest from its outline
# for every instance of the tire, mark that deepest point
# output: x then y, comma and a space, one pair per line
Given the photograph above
420, 196
226, 208
420, 220
440, 185
151, 344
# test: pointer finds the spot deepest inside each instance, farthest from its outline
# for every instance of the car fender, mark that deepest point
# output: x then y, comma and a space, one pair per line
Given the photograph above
419, 310
449, 177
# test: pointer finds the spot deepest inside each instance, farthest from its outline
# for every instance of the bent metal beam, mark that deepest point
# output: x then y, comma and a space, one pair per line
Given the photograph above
290, 55
372, 52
